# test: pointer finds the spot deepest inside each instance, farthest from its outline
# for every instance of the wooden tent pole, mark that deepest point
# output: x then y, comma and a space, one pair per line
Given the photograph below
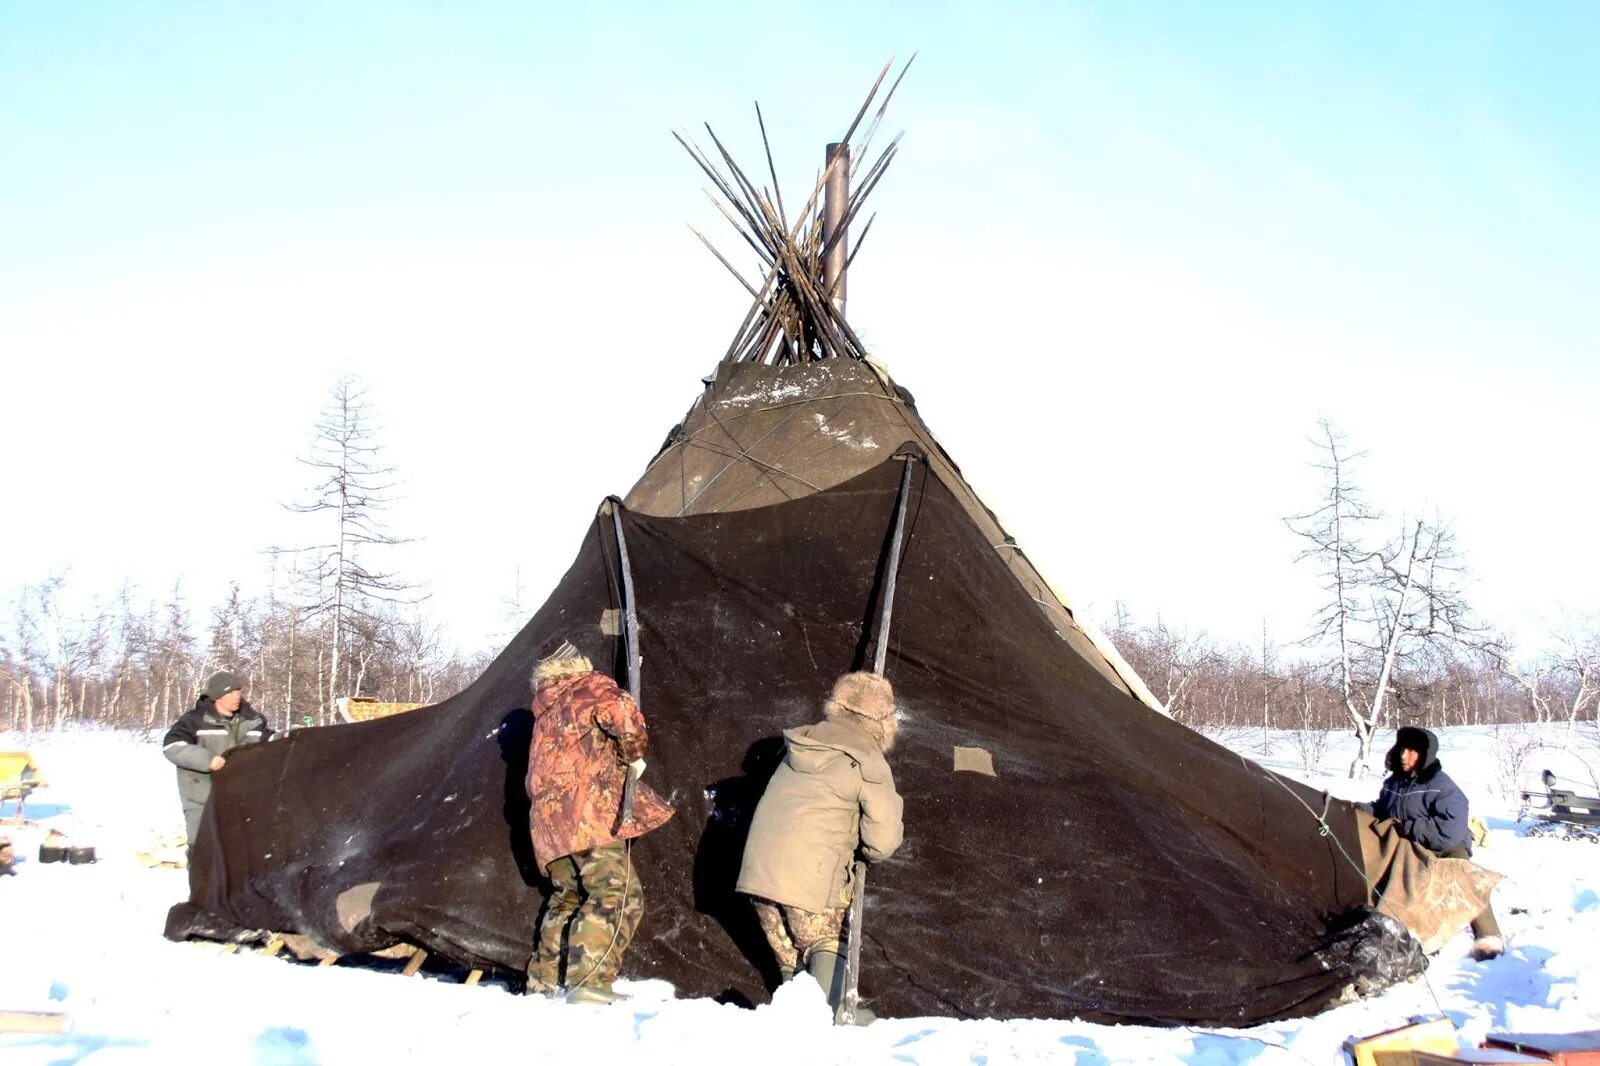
846, 1014
882, 654
630, 629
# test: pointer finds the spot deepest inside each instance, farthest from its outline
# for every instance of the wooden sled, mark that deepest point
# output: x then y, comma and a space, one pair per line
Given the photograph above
19, 776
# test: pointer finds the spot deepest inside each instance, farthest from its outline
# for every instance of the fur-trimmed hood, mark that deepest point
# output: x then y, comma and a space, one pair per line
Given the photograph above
867, 695
865, 701
550, 669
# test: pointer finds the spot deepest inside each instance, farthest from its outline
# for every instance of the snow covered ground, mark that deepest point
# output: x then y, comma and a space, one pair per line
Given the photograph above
87, 940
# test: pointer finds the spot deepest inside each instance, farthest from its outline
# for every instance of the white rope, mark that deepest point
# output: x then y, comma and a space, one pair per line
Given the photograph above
627, 881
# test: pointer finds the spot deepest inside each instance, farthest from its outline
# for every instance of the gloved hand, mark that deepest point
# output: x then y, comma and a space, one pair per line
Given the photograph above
636, 769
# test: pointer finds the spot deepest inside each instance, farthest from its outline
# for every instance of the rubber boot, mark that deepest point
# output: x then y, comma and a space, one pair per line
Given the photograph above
536, 987
594, 995
829, 969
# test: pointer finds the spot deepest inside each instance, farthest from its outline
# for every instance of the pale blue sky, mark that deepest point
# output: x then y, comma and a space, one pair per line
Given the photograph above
1186, 231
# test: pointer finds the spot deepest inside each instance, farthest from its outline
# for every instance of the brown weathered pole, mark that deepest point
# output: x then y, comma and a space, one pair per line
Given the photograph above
845, 1013
835, 203
630, 635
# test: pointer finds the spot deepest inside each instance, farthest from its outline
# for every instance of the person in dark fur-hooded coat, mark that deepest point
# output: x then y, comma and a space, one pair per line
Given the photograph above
1431, 811
1428, 806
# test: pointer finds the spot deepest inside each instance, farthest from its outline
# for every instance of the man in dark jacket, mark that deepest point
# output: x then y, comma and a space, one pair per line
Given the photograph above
1431, 811
198, 743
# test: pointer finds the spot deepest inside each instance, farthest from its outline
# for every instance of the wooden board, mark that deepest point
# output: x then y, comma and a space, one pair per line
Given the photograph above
1436, 1035
33, 1021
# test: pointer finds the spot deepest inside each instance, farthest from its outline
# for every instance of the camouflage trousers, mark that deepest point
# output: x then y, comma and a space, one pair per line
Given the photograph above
589, 919
796, 934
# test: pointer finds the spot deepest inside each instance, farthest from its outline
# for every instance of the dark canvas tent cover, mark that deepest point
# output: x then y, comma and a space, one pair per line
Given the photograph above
1116, 866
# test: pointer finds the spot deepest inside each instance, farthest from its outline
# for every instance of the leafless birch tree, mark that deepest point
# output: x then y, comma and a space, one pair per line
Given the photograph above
1387, 605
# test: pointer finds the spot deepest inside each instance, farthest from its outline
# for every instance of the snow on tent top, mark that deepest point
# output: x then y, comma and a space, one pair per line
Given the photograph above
761, 433
1113, 866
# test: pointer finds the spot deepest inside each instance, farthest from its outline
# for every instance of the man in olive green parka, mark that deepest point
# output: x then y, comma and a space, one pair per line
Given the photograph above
831, 797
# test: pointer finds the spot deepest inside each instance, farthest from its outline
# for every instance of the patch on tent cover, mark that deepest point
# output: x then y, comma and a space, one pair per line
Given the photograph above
611, 622
354, 905
975, 760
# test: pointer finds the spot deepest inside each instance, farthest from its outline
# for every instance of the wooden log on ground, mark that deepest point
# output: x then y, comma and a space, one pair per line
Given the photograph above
33, 1021
474, 977
417, 959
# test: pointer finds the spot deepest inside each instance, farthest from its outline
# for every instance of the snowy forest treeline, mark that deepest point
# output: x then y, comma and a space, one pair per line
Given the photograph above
1396, 641
135, 665
139, 665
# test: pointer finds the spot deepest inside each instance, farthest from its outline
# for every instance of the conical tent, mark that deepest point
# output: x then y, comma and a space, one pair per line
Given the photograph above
1070, 851
1115, 865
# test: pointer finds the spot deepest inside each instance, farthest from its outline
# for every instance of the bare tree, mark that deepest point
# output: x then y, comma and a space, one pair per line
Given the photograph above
139, 667
1387, 604
1309, 734
1183, 658
1514, 747
1271, 680
1563, 683
353, 492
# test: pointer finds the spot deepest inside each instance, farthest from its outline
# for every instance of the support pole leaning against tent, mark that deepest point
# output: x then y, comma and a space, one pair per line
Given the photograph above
846, 1014
630, 631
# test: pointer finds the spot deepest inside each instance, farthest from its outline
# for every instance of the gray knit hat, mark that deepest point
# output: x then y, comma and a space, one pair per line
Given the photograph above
220, 684
561, 651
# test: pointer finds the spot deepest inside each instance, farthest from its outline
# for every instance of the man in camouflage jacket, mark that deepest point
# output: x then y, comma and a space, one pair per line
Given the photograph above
198, 743
588, 736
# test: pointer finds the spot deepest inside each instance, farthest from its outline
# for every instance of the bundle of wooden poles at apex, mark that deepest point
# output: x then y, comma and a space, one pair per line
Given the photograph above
797, 313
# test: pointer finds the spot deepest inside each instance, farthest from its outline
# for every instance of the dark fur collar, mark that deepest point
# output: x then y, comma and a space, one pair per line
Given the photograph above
1429, 772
